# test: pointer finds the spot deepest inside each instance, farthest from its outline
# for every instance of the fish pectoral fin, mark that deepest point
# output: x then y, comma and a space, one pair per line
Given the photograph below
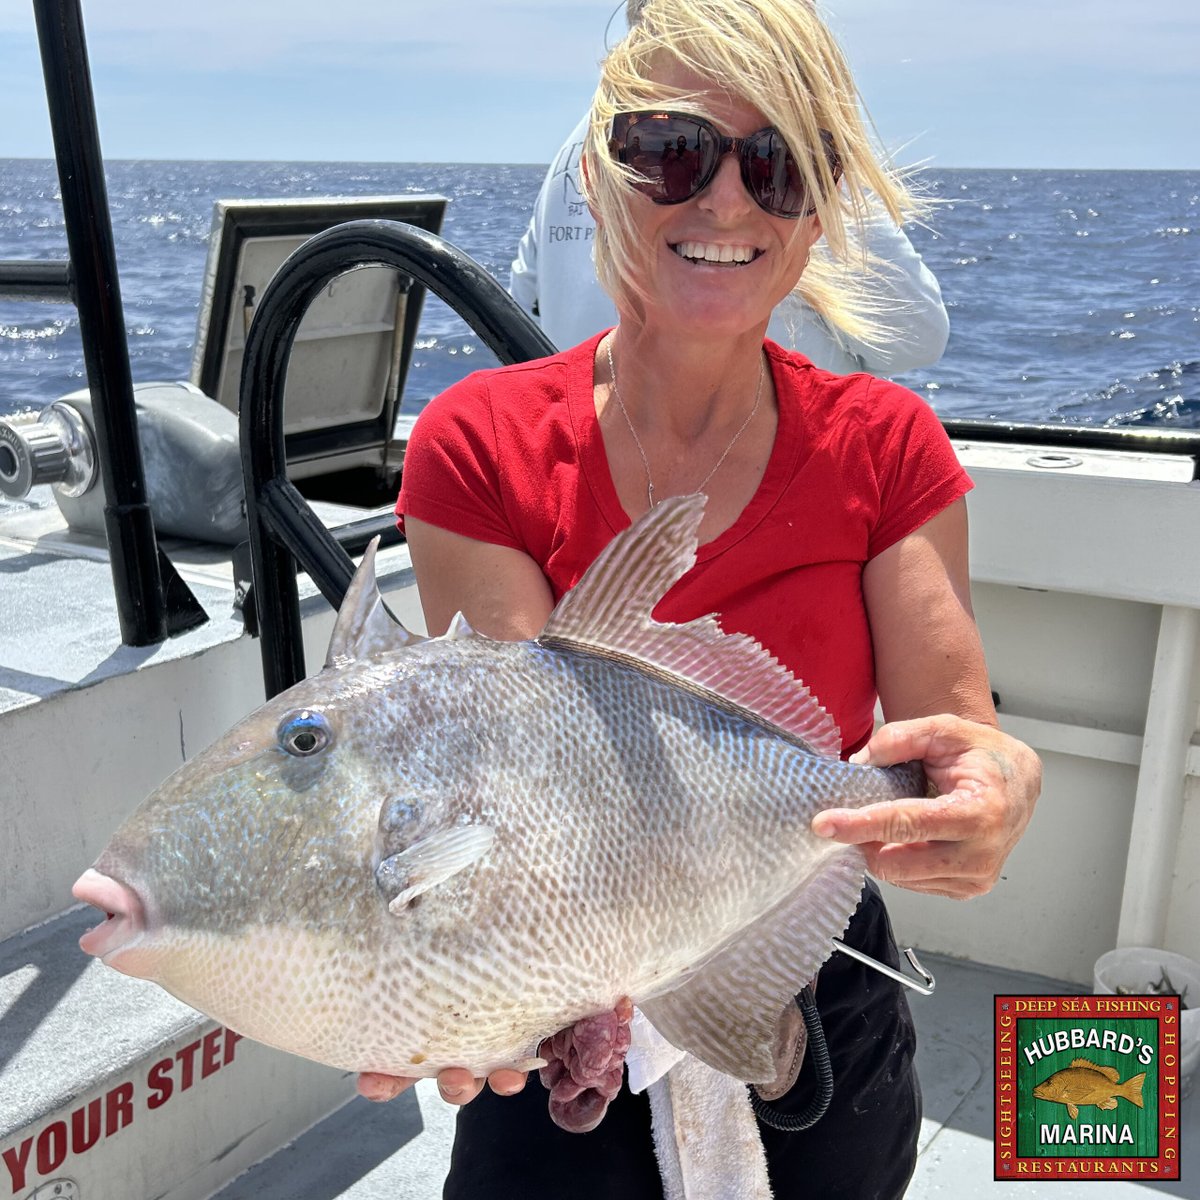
423, 865
1111, 1102
728, 1013
1072, 1110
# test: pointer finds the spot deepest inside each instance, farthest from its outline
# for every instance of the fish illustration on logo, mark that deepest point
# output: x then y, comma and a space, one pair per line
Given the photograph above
1084, 1082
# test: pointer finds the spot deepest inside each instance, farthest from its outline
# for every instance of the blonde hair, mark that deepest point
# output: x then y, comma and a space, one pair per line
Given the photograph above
779, 56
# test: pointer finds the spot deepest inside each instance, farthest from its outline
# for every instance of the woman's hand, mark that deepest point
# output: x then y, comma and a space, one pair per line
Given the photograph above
456, 1084
955, 843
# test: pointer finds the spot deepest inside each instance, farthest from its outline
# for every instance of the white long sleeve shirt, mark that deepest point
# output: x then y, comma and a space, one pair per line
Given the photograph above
554, 278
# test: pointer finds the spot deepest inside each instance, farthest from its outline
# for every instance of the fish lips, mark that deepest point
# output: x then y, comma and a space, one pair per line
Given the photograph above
125, 914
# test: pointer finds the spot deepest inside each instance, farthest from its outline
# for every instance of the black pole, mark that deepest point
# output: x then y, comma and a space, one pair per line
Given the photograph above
133, 550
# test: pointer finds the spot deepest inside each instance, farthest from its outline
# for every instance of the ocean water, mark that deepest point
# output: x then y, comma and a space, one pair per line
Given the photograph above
1074, 296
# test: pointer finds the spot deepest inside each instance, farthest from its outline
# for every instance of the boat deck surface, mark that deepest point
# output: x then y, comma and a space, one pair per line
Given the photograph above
399, 1151
58, 624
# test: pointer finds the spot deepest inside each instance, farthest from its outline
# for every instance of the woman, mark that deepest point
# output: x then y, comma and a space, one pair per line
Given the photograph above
834, 533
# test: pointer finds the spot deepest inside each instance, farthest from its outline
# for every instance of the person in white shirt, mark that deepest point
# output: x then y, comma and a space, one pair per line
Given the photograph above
554, 279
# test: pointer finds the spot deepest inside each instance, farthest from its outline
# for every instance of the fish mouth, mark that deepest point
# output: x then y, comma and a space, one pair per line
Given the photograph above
125, 917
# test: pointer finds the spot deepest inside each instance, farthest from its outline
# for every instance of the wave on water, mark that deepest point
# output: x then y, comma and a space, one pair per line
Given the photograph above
1169, 396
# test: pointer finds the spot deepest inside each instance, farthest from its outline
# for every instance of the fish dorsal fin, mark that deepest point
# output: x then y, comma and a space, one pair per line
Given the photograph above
364, 626
1108, 1072
608, 613
458, 629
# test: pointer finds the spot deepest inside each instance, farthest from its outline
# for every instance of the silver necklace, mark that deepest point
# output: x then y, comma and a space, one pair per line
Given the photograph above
637, 441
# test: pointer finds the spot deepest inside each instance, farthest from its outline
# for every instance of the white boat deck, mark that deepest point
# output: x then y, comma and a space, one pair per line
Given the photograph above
399, 1151
58, 623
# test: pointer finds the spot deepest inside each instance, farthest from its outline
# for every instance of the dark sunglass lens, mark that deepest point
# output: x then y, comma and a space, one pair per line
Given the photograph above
671, 153
772, 176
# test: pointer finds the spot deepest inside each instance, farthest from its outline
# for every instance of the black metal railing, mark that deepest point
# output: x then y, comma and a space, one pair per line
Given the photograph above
1142, 440
285, 533
37, 280
152, 601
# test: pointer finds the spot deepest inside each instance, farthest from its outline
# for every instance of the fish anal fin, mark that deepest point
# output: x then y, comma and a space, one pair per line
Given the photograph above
1111, 1102
728, 1013
1072, 1111
1109, 1073
364, 627
608, 612
404, 876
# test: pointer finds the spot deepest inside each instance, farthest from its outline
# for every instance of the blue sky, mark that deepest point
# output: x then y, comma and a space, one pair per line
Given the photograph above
1027, 83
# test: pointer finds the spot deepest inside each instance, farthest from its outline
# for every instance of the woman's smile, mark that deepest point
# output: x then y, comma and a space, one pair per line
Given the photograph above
716, 253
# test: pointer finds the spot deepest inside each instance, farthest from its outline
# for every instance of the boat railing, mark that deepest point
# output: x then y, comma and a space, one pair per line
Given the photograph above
1081, 437
153, 602
37, 281
285, 532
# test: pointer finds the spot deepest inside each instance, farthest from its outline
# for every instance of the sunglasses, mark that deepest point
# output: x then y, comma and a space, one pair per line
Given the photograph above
676, 156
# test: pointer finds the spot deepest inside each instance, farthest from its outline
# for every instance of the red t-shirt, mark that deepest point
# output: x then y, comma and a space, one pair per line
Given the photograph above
515, 457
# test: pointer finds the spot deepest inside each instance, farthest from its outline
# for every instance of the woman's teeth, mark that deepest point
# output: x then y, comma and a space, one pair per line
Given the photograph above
705, 252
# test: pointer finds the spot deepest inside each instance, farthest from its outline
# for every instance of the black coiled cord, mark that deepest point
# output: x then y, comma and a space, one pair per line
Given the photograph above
767, 1112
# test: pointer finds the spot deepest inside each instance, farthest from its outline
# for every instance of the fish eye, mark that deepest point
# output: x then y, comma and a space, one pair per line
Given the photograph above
304, 733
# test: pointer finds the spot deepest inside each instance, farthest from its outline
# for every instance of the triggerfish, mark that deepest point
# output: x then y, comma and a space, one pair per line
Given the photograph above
440, 852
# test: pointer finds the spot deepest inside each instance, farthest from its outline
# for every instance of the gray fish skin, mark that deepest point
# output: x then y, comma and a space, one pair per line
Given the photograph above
553, 830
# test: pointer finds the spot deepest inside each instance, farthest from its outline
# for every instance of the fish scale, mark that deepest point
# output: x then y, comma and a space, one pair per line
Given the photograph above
439, 852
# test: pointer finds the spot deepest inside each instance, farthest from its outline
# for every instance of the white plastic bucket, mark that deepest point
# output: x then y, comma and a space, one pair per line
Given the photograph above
1135, 969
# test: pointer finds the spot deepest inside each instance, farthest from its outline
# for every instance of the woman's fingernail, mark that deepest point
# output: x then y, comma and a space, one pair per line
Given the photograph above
823, 825
450, 1093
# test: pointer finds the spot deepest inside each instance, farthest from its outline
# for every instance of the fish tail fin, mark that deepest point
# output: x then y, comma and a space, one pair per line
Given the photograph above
1132, 1089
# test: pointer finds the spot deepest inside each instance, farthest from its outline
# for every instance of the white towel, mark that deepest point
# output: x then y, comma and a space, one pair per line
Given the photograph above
650, 1055
705, 1132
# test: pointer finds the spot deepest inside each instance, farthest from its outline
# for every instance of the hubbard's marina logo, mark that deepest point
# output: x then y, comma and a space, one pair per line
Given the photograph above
1087, 1087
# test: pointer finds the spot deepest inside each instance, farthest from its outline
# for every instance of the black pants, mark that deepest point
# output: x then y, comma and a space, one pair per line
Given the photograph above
863, 1148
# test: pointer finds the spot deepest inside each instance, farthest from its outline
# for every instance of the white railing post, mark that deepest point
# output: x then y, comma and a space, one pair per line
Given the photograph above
1158, 806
